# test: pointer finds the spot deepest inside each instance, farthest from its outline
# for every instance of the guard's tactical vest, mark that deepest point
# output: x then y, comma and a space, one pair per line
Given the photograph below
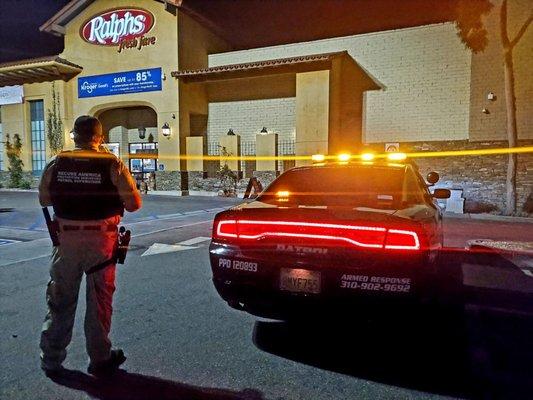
81, 186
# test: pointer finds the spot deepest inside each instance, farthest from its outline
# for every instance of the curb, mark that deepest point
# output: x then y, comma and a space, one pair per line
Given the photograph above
183, 193
19, 190
489, 217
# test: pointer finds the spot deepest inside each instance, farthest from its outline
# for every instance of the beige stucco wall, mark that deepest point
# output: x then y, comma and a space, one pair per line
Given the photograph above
16, 118
195, 43
424, 71
98, 60
186, 47
312, 113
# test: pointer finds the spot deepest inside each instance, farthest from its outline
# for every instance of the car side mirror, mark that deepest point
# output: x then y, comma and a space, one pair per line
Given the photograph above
442, 193
433, 177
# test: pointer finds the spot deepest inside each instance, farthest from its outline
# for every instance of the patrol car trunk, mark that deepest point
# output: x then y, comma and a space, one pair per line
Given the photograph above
321, 237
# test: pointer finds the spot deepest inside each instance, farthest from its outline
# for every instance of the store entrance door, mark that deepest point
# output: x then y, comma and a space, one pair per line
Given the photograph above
143, 163
132, 135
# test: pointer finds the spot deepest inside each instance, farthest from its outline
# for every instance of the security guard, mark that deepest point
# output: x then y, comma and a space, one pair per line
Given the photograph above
89, 188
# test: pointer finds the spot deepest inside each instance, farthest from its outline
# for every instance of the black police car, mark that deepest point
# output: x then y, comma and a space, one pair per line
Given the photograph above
344, 233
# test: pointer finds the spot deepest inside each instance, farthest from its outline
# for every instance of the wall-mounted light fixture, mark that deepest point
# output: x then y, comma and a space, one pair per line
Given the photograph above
491, 96
230, 132
71, 135
264, 131
142, 132
165, 130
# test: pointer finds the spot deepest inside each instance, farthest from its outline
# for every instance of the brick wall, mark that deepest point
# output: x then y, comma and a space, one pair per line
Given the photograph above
246, 118
425, 73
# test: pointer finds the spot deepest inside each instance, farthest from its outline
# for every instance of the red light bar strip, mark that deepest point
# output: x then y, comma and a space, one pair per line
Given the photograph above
309, 235
313, 224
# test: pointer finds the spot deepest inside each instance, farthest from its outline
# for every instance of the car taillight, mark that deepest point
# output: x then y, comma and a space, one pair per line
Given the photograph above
226, 229
374, 237
402, 240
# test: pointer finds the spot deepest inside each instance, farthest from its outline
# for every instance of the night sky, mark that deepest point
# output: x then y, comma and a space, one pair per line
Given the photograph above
265, 22
19, 29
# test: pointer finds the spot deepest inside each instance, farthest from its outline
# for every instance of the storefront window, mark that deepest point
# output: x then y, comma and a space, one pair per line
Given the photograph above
38, 146
114, 148
136, 165
136, 148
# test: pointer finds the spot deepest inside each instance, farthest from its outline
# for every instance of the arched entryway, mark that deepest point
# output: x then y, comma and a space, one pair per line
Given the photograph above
131, 133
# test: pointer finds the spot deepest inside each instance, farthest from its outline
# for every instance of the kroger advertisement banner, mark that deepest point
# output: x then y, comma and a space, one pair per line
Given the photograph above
11, 95
141, 80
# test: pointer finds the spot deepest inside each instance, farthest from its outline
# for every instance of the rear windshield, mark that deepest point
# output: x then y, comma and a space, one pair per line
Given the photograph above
355, 186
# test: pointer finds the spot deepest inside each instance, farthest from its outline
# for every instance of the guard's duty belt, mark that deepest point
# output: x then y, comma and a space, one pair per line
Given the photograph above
121, 245
105, 228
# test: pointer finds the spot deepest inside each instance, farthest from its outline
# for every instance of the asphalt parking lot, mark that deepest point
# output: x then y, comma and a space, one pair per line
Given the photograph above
183, 342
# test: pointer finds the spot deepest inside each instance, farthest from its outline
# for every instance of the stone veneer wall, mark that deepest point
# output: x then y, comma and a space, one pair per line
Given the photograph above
198, 183
482, 178
28, 176
266, 177
168, 180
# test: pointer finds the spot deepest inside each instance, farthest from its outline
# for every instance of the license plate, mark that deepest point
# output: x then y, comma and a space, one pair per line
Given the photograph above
300, 280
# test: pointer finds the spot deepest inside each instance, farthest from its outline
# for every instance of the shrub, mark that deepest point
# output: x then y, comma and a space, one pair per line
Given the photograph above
25, 185
228, 178
13, 151
54, 125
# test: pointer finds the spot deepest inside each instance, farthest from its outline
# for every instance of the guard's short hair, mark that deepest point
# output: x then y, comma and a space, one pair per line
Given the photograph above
85, 128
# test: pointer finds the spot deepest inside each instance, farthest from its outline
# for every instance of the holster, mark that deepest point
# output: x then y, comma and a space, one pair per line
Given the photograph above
119, 252
53, 227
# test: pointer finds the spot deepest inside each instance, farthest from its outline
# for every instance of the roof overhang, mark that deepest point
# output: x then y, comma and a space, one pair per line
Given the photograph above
314, 62
44, 69
270, 78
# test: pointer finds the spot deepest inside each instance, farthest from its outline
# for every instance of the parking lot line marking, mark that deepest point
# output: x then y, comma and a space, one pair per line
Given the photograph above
162, 248
172, 228
4, 242
194, 241
165, 217
24, 260
20, 228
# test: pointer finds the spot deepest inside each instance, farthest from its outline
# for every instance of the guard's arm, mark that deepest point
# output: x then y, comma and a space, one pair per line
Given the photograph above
127, 189
44, 185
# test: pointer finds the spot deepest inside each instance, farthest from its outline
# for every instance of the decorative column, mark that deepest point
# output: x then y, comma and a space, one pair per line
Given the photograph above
195, 167
312, 114
266, 145
195, 148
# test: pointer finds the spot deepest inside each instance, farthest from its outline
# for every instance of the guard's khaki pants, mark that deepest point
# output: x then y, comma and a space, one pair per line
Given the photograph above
77, 252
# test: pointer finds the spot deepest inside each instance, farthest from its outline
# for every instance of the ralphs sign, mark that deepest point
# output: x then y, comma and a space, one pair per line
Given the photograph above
119, 27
